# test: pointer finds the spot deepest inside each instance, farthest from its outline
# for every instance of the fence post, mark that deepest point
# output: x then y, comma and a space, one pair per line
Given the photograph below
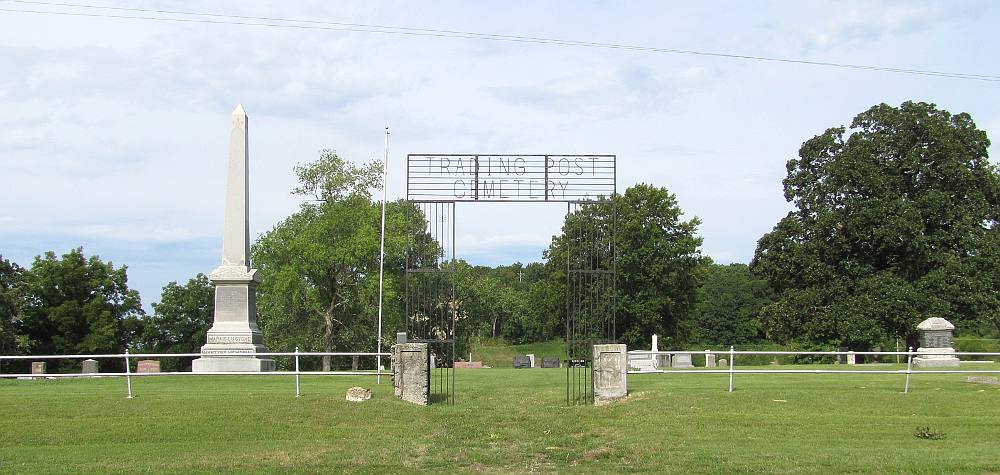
909, 363
732, 365
297, 393
128, 376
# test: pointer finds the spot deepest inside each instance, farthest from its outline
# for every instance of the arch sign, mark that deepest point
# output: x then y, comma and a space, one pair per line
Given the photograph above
509, 178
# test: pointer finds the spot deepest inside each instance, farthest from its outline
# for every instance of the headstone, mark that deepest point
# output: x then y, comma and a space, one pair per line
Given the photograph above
709, 359
89, 366
935, 344
654, 346
550, 362
411, 375
841, 358
400, 337
683, 360
358, 394
723, 362
609, 373
147, 366
643, 361
851, 358
38, 367
522, 362
469, 364
234, 329
531, 358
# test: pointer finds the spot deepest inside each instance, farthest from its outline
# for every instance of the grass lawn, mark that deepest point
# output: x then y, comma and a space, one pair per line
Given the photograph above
499, 354
505, 420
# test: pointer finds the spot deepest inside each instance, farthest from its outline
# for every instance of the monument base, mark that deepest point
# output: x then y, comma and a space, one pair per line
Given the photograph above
935, 360
243, 361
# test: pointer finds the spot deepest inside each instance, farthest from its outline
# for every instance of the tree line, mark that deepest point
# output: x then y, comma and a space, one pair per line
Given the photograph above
894, 221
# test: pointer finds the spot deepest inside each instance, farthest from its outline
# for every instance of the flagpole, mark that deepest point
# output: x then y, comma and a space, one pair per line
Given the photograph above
381, 258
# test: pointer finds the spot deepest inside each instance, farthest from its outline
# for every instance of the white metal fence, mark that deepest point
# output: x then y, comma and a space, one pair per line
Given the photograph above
910, 354
127, 372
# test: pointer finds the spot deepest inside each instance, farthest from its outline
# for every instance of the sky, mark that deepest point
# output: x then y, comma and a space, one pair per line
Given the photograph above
114, 131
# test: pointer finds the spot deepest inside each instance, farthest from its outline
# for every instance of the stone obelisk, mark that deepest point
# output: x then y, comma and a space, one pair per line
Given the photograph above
235, 330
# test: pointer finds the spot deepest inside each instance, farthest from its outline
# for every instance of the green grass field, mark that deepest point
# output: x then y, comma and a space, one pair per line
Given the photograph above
504, 420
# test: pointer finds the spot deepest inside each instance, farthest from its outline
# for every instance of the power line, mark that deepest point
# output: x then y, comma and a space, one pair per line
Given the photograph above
275, 22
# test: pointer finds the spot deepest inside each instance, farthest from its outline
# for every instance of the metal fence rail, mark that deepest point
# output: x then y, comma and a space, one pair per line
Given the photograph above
127, 357
732, 371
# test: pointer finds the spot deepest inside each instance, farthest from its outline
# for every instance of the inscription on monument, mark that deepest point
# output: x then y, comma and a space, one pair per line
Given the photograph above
610, 375
230, 303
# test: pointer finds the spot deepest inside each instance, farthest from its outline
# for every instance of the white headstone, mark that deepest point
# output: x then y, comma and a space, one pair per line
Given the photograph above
235, 330
654, 346
935, 344
709, 359
531, 359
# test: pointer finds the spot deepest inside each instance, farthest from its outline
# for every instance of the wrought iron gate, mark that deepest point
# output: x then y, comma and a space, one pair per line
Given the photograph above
586, 183
429, 281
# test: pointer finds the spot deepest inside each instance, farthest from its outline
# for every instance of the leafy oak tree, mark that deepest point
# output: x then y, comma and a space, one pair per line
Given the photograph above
78, 305
729, 303
12, 338
319, 267
659, 261
895, 222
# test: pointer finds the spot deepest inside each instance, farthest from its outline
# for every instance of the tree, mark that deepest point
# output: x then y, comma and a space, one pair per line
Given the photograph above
895, 221
77, 305
179, 322
12, 338
658, 266
728, 305
319, 266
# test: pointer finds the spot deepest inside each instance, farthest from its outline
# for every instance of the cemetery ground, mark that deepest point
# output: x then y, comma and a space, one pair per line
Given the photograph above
505, 420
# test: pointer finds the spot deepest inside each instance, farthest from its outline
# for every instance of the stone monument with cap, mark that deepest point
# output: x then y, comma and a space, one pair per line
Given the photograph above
235, 339
935, 344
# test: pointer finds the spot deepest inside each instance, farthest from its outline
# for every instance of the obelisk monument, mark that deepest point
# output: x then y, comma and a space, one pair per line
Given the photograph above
234, 338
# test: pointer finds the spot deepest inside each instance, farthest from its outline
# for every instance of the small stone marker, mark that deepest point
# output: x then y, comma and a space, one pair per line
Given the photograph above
851, 358
935, 344
609, 373
723, 362
550, 362
38, 367
147, 366
709, 359
522, 362
89, 367
531, 358
411, 375
841, 359
683, 360
469, 364
400, 337
358, 394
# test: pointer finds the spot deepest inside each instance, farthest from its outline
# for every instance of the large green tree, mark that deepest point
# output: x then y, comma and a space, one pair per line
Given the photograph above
77, 305
658, 261
179, 322
729, 303
894, 222
319, 266
12, 338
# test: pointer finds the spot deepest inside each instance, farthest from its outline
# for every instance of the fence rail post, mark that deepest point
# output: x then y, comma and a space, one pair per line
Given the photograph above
297, 392
732, 365
128, 376
909, 366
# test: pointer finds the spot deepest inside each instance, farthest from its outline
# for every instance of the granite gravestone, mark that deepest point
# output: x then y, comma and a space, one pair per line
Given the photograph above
147, 366
89, 366
235, 330
550, 362
709, 359
682, 360
935, 344
609, 373
522, 362
38, 367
